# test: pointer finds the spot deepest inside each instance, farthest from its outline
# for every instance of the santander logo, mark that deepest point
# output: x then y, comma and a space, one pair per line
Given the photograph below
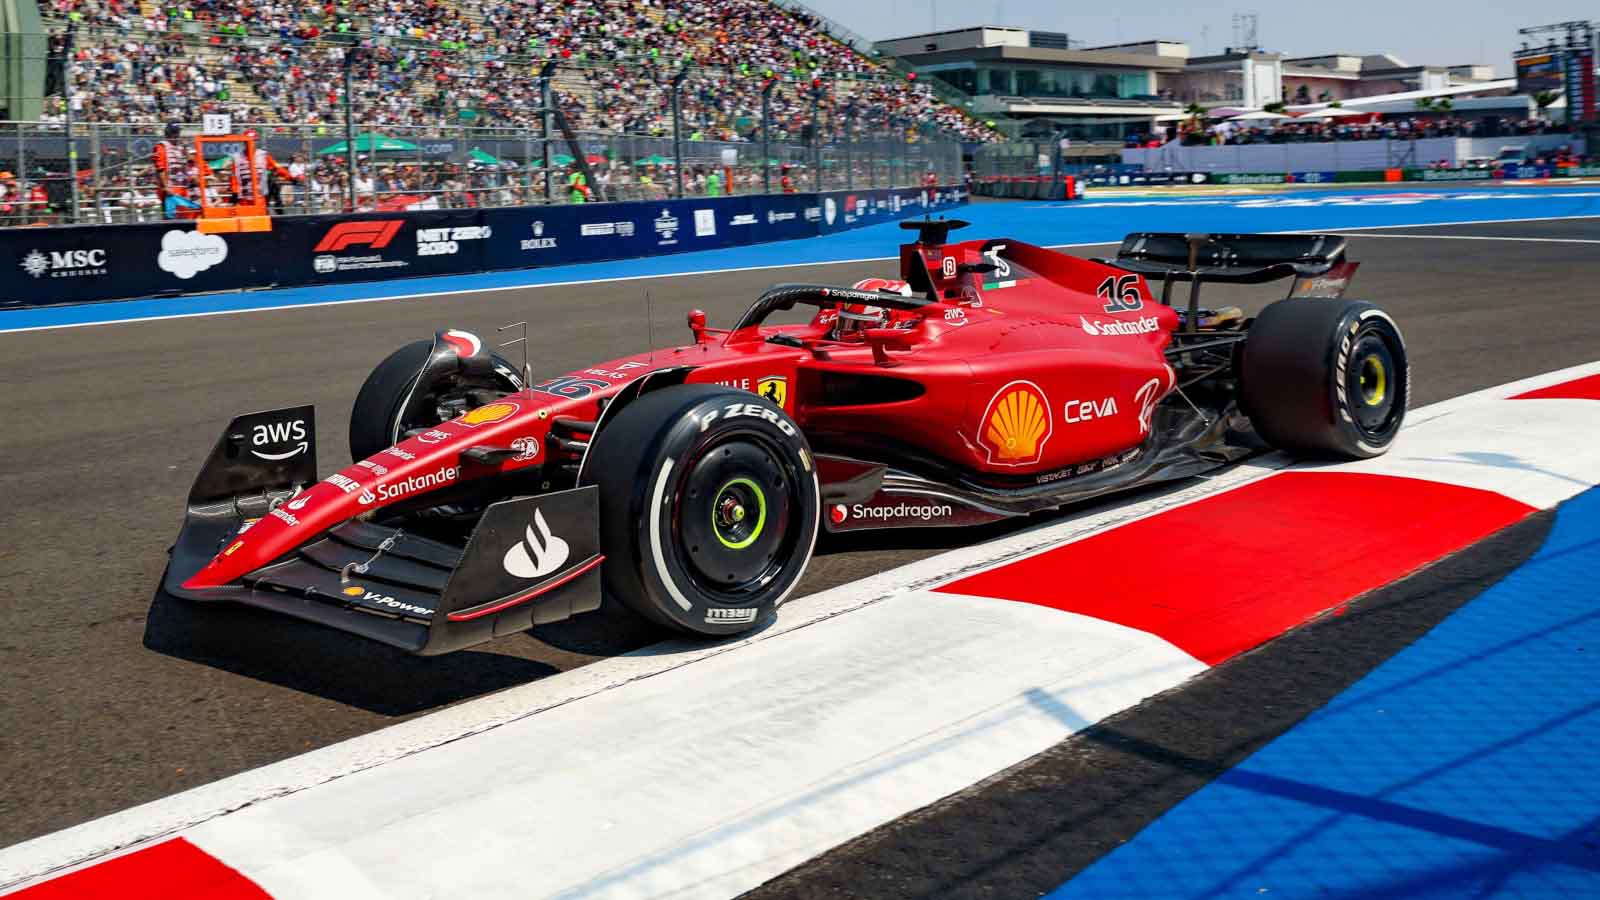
538, 554
1139, 326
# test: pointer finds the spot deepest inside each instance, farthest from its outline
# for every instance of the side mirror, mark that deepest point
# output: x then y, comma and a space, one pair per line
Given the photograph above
882, 340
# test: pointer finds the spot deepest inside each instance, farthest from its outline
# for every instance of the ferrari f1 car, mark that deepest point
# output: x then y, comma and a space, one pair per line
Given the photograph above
994, 379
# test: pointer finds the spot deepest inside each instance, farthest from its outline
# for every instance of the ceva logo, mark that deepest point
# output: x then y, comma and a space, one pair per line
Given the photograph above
376, 234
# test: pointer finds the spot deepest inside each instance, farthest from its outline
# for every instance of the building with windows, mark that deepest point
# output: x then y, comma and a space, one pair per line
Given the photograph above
1347, 76
1040, 83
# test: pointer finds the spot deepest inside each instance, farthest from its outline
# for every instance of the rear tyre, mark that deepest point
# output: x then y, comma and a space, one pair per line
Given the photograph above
709, 507
374, 419
1325, 378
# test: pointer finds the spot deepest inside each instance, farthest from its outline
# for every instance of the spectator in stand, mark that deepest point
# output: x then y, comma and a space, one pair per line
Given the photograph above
577, 186
10, 197
174, 172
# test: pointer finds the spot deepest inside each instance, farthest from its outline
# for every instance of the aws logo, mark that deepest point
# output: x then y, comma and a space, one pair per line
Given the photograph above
1016, 425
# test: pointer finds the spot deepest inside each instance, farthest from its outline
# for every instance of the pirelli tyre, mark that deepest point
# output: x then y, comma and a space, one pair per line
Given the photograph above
375, 418
709, 507
1325, 378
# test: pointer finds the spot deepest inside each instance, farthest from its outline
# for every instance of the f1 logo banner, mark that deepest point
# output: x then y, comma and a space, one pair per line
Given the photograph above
376, 235
370, 248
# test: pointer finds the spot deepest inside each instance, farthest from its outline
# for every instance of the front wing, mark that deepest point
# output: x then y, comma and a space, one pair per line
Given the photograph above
528, 561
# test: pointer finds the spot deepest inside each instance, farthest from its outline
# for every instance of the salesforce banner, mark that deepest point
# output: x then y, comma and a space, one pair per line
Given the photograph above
74, 264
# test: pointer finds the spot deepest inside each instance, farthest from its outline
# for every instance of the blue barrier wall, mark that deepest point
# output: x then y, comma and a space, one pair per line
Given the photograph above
77, 264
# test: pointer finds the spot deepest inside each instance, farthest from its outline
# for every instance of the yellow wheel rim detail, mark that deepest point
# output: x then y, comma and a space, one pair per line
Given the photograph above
1374, 381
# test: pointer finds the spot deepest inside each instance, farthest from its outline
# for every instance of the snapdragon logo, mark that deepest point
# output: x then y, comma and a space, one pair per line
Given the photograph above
922, 512
1141, 326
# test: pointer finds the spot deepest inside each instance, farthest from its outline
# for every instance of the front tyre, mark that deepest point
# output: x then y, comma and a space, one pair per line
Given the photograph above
709, 507
1325, 378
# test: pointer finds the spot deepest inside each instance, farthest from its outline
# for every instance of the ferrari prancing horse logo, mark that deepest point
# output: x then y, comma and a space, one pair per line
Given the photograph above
774, 388
1016, 425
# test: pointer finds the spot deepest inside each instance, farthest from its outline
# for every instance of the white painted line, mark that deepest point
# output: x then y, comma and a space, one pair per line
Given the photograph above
1437, 224
1478, 237
719, 776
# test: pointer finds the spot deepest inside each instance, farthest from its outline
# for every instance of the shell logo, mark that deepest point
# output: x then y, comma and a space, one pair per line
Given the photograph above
354, 591
494, 412
1016, 425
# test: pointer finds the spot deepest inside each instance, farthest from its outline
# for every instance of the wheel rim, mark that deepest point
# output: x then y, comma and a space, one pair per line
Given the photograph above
1373, 389
732, 521
736, 522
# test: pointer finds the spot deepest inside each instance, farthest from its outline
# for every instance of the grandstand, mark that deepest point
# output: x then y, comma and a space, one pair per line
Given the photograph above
476, 62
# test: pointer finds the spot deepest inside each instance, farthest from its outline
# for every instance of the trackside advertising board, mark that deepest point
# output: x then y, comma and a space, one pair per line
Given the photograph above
74, 264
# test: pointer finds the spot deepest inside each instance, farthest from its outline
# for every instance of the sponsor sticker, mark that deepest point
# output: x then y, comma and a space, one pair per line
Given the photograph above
410, 485
1016, 425
705, 222
499, 411
447, 241
367, 595
921, 512
538, 553
65, 263
1144, 325
774, 388
188, 253
538, 241
666, 226
1089, 410
718, 616
527, 448
277, 434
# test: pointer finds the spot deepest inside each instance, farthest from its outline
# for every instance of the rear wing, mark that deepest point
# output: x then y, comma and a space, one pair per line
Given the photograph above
1236, 258
1316, 261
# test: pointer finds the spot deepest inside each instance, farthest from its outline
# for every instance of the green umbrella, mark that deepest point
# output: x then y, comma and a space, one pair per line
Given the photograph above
479, 156
561, 159
371, 142
654, 159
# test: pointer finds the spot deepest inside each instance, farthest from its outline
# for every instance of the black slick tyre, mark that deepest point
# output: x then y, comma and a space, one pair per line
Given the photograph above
1325, 378
709, 507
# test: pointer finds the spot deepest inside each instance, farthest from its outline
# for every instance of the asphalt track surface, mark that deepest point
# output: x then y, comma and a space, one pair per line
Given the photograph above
112, 698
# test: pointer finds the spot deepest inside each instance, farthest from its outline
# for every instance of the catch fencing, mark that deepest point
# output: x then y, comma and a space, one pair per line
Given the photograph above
341, 118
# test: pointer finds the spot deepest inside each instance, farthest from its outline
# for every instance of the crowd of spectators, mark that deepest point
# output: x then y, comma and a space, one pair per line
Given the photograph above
1396, 128
474, 62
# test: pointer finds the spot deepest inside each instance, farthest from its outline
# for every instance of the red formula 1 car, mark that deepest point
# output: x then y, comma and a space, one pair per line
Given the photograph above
994, 379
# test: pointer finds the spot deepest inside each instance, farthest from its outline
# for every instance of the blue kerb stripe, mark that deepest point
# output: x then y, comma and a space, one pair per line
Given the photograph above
1462, 767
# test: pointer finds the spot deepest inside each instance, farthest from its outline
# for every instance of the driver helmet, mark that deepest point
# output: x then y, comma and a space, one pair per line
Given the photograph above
855, 318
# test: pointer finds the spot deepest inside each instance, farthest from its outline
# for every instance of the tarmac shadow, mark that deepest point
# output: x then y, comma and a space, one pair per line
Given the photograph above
331, 664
